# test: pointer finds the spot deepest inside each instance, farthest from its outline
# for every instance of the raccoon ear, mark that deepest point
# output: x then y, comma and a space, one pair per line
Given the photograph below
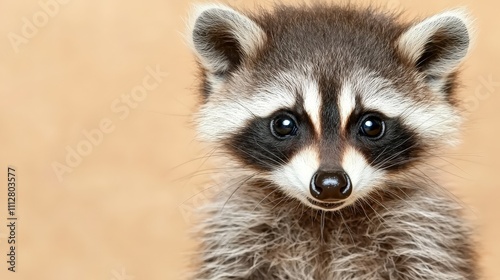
437, 45
223, 37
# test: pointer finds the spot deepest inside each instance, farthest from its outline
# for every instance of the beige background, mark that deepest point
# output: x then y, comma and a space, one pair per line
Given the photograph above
123, 211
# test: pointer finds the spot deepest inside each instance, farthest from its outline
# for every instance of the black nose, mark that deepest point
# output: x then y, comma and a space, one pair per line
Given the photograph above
331, 186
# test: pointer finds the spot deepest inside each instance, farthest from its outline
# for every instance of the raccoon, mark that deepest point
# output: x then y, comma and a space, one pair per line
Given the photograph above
326, 118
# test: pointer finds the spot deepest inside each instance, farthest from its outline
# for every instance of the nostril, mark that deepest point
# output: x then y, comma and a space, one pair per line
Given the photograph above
330, 185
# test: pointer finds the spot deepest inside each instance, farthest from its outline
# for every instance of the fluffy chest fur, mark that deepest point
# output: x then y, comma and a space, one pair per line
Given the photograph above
258, 234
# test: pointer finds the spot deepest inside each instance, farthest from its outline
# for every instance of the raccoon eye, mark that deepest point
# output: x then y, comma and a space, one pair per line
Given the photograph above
283, 126
372, 127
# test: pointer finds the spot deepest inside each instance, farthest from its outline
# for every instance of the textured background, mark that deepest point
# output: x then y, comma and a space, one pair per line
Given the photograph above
122, 210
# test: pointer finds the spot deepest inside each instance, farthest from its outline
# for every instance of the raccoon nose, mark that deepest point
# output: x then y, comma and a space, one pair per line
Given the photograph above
330, 186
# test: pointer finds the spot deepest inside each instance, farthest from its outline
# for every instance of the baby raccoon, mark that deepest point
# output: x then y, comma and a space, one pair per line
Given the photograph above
326, 118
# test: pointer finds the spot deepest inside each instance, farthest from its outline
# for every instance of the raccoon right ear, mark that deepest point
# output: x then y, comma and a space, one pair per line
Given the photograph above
223, 37
437, 45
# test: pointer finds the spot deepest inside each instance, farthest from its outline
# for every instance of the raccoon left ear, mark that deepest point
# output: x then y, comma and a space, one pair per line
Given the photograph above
437, 45
223, 37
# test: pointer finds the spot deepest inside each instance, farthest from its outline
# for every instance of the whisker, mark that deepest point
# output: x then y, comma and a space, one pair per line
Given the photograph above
244, 181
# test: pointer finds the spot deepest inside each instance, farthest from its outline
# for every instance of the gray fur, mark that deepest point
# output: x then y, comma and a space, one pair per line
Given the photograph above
398, 224
402, 233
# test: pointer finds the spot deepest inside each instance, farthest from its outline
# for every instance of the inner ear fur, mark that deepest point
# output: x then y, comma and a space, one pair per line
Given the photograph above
437, 45
222, 37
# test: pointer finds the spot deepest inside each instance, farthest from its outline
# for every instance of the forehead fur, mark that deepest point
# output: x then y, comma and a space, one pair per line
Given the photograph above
335, 39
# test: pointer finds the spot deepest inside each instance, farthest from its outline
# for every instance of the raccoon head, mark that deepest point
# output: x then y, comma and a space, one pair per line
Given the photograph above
328, 103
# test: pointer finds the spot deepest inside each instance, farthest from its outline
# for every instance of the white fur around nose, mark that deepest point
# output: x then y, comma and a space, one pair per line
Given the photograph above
294, 177
363, 176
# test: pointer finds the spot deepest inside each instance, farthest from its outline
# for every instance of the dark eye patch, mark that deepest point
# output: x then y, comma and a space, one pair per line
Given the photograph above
398, 147
256, 146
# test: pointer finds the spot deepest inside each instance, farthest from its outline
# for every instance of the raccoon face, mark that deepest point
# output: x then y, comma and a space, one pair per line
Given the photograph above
328, 103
